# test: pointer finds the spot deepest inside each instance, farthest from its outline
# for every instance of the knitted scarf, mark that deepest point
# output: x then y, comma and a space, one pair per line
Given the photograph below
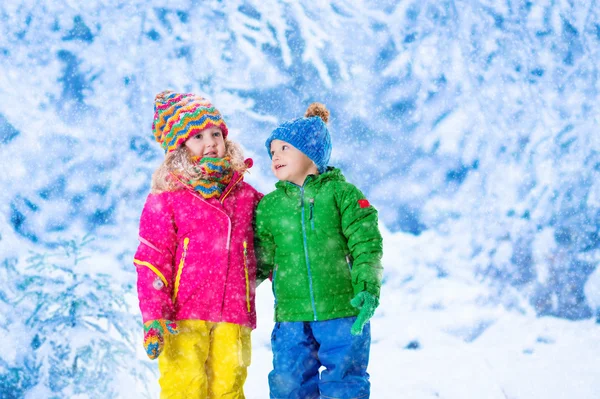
214, 175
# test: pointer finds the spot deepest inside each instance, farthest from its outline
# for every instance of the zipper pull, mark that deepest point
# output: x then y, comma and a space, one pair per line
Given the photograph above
312, 204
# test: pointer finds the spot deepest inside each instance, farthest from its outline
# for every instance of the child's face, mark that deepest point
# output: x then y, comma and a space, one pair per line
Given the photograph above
289, 163
207, 143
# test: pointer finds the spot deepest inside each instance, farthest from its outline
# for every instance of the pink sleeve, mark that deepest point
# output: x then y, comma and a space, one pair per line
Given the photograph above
155, 257
259, 196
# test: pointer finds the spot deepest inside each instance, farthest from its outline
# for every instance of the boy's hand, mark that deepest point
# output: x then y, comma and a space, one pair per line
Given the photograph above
367, 303
154, 335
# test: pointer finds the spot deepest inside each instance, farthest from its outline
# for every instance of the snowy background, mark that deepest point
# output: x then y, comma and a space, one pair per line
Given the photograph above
473, 126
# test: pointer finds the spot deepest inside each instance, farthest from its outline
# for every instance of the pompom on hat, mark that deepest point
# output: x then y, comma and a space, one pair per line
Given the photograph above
309, 134
179, 116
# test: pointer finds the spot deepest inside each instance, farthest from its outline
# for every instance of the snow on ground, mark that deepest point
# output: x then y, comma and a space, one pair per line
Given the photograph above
516, 356
433, 337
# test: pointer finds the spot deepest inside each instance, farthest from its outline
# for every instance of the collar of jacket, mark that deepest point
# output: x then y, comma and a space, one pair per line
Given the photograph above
237, 177
312, 181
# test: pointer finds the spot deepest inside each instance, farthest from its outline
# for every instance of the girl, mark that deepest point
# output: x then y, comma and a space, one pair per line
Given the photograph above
195, 261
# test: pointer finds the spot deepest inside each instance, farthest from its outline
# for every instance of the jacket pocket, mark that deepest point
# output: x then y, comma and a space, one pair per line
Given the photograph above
186, 242
246, 275
150, 266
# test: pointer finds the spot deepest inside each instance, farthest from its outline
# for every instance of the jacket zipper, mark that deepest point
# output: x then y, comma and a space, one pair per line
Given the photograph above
222, 199
273, 287
312, 294
191, 191
246, 273
186, 241
228, 229
311, 217
349, 262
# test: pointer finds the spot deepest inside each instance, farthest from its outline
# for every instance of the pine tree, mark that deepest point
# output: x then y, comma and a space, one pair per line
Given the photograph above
72, 332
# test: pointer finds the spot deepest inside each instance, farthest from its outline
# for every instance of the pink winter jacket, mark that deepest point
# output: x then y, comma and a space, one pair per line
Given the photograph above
196, 256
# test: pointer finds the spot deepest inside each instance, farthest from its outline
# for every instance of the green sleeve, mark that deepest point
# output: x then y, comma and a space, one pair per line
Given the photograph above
360, 227
264, 244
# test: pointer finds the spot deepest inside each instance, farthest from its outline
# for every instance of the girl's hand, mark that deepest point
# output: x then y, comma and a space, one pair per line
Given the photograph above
154, 335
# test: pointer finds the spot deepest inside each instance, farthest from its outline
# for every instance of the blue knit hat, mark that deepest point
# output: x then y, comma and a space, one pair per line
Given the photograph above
309, 134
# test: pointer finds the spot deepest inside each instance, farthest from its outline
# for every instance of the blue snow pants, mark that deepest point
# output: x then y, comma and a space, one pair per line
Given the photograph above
301, 348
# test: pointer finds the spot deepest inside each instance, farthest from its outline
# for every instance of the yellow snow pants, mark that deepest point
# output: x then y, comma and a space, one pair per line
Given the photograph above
205, 361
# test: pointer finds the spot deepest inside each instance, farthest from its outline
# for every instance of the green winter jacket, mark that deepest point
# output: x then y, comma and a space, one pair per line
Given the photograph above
322, 244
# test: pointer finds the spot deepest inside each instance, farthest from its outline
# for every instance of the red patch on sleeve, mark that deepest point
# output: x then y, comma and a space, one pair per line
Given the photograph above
364, 203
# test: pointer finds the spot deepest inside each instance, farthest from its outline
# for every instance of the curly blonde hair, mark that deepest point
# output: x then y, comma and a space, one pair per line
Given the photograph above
180, 161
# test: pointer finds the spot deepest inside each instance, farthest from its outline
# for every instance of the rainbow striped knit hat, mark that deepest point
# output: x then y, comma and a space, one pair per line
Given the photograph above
178, 116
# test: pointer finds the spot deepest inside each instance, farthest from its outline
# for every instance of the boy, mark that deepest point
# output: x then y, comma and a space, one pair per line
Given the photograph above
318, 237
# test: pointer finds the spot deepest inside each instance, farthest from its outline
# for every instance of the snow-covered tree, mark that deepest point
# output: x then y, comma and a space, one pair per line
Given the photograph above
471, 120
71, 332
